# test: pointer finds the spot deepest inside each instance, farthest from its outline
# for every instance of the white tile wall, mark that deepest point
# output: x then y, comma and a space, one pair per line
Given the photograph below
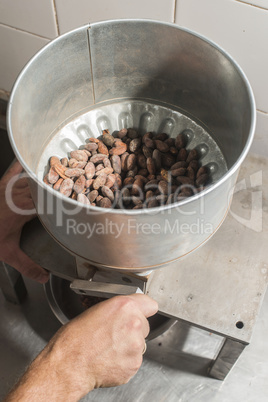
260, 142
242, 30
74, 13
16, 49
34, 16
258, 3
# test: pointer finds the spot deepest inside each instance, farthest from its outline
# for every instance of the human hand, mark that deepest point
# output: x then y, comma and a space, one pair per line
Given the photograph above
100, 348
11, 224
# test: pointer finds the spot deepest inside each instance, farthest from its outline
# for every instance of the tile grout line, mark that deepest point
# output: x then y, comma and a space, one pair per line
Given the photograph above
252, 5
56, 16
24, 31
174, 14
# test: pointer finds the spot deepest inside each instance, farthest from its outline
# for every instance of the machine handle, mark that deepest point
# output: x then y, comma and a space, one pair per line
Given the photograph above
102, 289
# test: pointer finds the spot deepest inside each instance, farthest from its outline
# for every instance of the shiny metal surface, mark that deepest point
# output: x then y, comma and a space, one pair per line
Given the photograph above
66, 304
154, 62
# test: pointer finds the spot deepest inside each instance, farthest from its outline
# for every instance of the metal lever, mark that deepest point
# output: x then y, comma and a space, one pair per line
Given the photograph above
101, 289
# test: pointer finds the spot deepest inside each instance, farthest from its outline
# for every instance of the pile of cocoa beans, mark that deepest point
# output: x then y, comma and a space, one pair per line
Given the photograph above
130, 171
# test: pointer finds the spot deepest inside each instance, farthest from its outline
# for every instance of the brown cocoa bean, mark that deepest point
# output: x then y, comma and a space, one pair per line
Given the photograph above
136, 200
89, 183
75, 172
184, 180
99, 181
98, 200
66, 187
64, 162
143, 172
128, 181
83, 199
54, 160
161, 137
57, 185
119, 148
122, 133
92, 195
97, 158
141, 160
147, 152
91, 146
194, 164
180, 141
201, 170
149, 194
99, 167
125, 197
132, 133
106, 163
153, 203
60, 170
149, 143
161, 146
171, 143
178, 172
104, 171
135, 144
90, 170
52, 176
124, 158
157, 159
147, 135
79, 185
108, 140
177, 165
193, 155
79, 155
190, 173
163, 187
116, 163
151, 185
150, 165
140, 177
202, 180
102, 149
131, 162
137, 187
139, 206
182, 155
118, 181
162, 199
168, 160
132, 173
107, 192
110, 180
93, 139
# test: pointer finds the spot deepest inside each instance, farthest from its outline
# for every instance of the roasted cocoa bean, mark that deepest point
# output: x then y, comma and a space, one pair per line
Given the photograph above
202, 180
79, 155
119, 148
97, 158
66, 187
180, 141
108, 139
91, 146
182, 155
193, 155
54, 160
79, 184
135, 144
150, 165
92, 195
52, 176
131, 162
57, 185
107, 192
83, 199
161, 146
178, 172
102, 149
99, 181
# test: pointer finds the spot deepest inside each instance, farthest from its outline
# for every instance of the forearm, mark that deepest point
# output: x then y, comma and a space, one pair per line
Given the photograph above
47, 380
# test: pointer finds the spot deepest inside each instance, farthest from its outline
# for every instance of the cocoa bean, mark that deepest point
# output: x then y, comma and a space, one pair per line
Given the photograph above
107, 192
163, 187
131, 161
124, 158
161, 146
91, 146
161, 137
99, 181
64, 162
79, 155
201, 170
102, 149
135, 144
66, 187
52, 176
83, 199
119, 148
150, 165
193, 155
97, 158
57, 185
178, 172
157, 159
182, 155
122, 133
202, 180
90, 170
110, 180
53, 160
79, 185
147, 152
92, 195
180, 141
108, 140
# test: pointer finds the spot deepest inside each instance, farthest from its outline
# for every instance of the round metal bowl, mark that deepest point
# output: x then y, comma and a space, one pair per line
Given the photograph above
66, 305
152, 76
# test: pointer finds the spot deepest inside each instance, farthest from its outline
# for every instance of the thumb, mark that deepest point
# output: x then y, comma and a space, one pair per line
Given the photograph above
146, 305
22, 263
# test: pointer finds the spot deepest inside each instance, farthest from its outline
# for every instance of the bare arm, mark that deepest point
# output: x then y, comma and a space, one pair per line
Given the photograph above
11, 224
100, 348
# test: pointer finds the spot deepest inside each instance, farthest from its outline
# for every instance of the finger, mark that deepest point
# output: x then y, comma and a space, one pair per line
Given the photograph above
146, 305
22, 263
14, 169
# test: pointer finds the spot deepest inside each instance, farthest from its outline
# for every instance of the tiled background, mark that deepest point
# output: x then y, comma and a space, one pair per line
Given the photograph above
239, 26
